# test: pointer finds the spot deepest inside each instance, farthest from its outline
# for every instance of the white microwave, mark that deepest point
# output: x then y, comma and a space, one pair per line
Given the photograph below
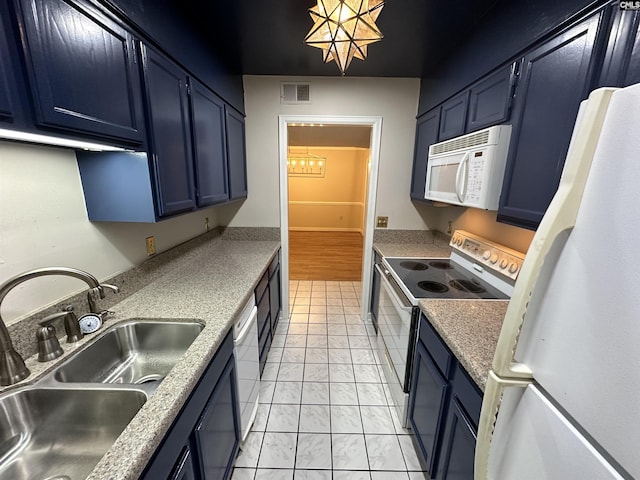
469, 170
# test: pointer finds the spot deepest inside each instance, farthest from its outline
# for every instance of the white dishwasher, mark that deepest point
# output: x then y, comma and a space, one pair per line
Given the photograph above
247, 354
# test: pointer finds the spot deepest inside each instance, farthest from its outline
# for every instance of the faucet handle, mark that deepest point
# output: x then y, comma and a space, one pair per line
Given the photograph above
72, 326
48, 344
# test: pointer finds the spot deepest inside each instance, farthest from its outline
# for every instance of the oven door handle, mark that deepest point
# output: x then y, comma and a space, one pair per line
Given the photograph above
400, 301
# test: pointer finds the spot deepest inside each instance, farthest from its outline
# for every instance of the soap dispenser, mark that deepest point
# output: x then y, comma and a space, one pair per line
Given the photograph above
48, 344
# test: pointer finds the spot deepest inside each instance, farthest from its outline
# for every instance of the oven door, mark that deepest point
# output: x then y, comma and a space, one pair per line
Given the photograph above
397, 325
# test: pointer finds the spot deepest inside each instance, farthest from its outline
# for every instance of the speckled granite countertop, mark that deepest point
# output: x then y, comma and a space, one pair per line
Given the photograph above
210, 283
416, 250
470, 328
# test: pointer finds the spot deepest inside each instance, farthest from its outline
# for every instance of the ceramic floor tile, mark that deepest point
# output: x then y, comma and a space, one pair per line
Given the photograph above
370, 394
293, 355
270, 372
350, 302
275, 355
351, 475
298, 329
278, 340
377, 420
300, 309
316, 372
339, 355
418, 476
314, 451
266, 391
299, 317
262, 415
314, 393
278, 450
317, 341
312, 475
338, 341
274, 474
353, 319
337, 329
317, 355
315, 419
364, 374
334, 318
283, 418
339, 309
341, 373
409, 452
384, 452
250, 451
288, 392
243, 473
291, 372
343, 394
355, 329
318, 318
317, 329
298, 341
348, 310
359, 341
345, 419
349, 452
363, 356
377, 475
320, 308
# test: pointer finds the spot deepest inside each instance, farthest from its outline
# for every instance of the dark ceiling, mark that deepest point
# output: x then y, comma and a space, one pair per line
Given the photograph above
266, 37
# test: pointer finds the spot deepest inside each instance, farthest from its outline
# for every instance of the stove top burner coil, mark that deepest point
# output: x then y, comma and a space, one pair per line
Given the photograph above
434, 287
409, 265
467, 286
441, 265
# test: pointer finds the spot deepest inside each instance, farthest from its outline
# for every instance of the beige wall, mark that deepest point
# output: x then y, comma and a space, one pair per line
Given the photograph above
335, 201
394, 99
43, 222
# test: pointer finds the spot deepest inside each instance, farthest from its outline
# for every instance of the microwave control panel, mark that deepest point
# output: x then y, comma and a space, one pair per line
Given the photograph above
475, 176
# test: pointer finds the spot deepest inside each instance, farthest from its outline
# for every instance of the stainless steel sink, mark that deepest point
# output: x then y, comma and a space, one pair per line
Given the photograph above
61, 434
135, 352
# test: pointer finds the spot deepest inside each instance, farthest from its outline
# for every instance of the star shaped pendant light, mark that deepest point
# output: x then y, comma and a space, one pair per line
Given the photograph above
344, 28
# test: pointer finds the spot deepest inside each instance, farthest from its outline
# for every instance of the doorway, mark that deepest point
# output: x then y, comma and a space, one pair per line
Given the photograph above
328, 178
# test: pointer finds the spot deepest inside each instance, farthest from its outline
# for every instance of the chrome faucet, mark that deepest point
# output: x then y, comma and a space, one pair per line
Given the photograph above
12, 367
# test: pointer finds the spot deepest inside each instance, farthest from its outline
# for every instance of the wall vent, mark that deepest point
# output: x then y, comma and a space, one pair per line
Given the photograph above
295, 93
460, 143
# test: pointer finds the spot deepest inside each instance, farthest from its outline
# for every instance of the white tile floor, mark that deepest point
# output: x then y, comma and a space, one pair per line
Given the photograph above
325, 411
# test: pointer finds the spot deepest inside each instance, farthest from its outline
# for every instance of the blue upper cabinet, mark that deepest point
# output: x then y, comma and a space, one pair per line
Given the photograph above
556, 77
453, 116
621, 66
170, 133
490, 99
209, 145
6, 107
236, 154
82, 70
426, 135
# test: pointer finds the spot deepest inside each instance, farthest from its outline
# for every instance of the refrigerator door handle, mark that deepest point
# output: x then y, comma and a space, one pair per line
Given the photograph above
488, 415
560, 217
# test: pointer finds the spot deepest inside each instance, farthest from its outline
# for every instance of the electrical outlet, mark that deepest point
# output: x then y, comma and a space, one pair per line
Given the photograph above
206, 224
151, 246
382, 222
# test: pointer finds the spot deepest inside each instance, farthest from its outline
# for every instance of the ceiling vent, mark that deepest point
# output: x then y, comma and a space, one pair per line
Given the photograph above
295, 93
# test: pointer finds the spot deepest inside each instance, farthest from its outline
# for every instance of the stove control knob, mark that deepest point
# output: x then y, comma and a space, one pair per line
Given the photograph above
458, 241
494, 258
486, 255
503, 263
513, 267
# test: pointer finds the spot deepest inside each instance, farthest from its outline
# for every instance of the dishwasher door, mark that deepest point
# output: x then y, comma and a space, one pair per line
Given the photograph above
247, 356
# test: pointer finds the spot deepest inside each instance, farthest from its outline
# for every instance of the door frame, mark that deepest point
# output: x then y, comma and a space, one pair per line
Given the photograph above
375, 122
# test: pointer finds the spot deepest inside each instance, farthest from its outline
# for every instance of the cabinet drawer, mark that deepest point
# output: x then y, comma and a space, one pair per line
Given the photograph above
260, 288
263, 314
441, 355
467, 394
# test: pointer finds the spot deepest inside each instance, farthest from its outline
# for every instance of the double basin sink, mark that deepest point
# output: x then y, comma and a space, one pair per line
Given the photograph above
61, 426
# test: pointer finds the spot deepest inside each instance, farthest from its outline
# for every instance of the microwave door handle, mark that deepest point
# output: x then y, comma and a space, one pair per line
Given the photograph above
461, 190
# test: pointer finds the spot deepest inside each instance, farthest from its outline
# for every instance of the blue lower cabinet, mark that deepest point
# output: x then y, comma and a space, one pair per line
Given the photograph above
217, 434
428, 406
184, 469
6, 107
458, 447
203, 441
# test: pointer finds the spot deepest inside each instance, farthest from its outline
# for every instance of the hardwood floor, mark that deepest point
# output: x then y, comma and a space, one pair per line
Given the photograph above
325, 255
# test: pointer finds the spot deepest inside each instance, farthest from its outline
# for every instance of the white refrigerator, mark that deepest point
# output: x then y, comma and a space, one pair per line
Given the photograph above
562, 401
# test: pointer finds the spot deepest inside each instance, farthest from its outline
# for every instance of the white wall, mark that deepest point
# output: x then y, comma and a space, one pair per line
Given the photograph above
394, 99
43, 222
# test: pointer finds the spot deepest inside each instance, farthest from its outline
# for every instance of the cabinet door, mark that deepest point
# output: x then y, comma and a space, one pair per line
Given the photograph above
236, 154
82, 69
427, 406
555, 78
274, 299
621, 65
168, 105
426, 135
453, 115
6, 107
458, 447
209, 145
184, 468
375, 297
490, 99
217, 435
